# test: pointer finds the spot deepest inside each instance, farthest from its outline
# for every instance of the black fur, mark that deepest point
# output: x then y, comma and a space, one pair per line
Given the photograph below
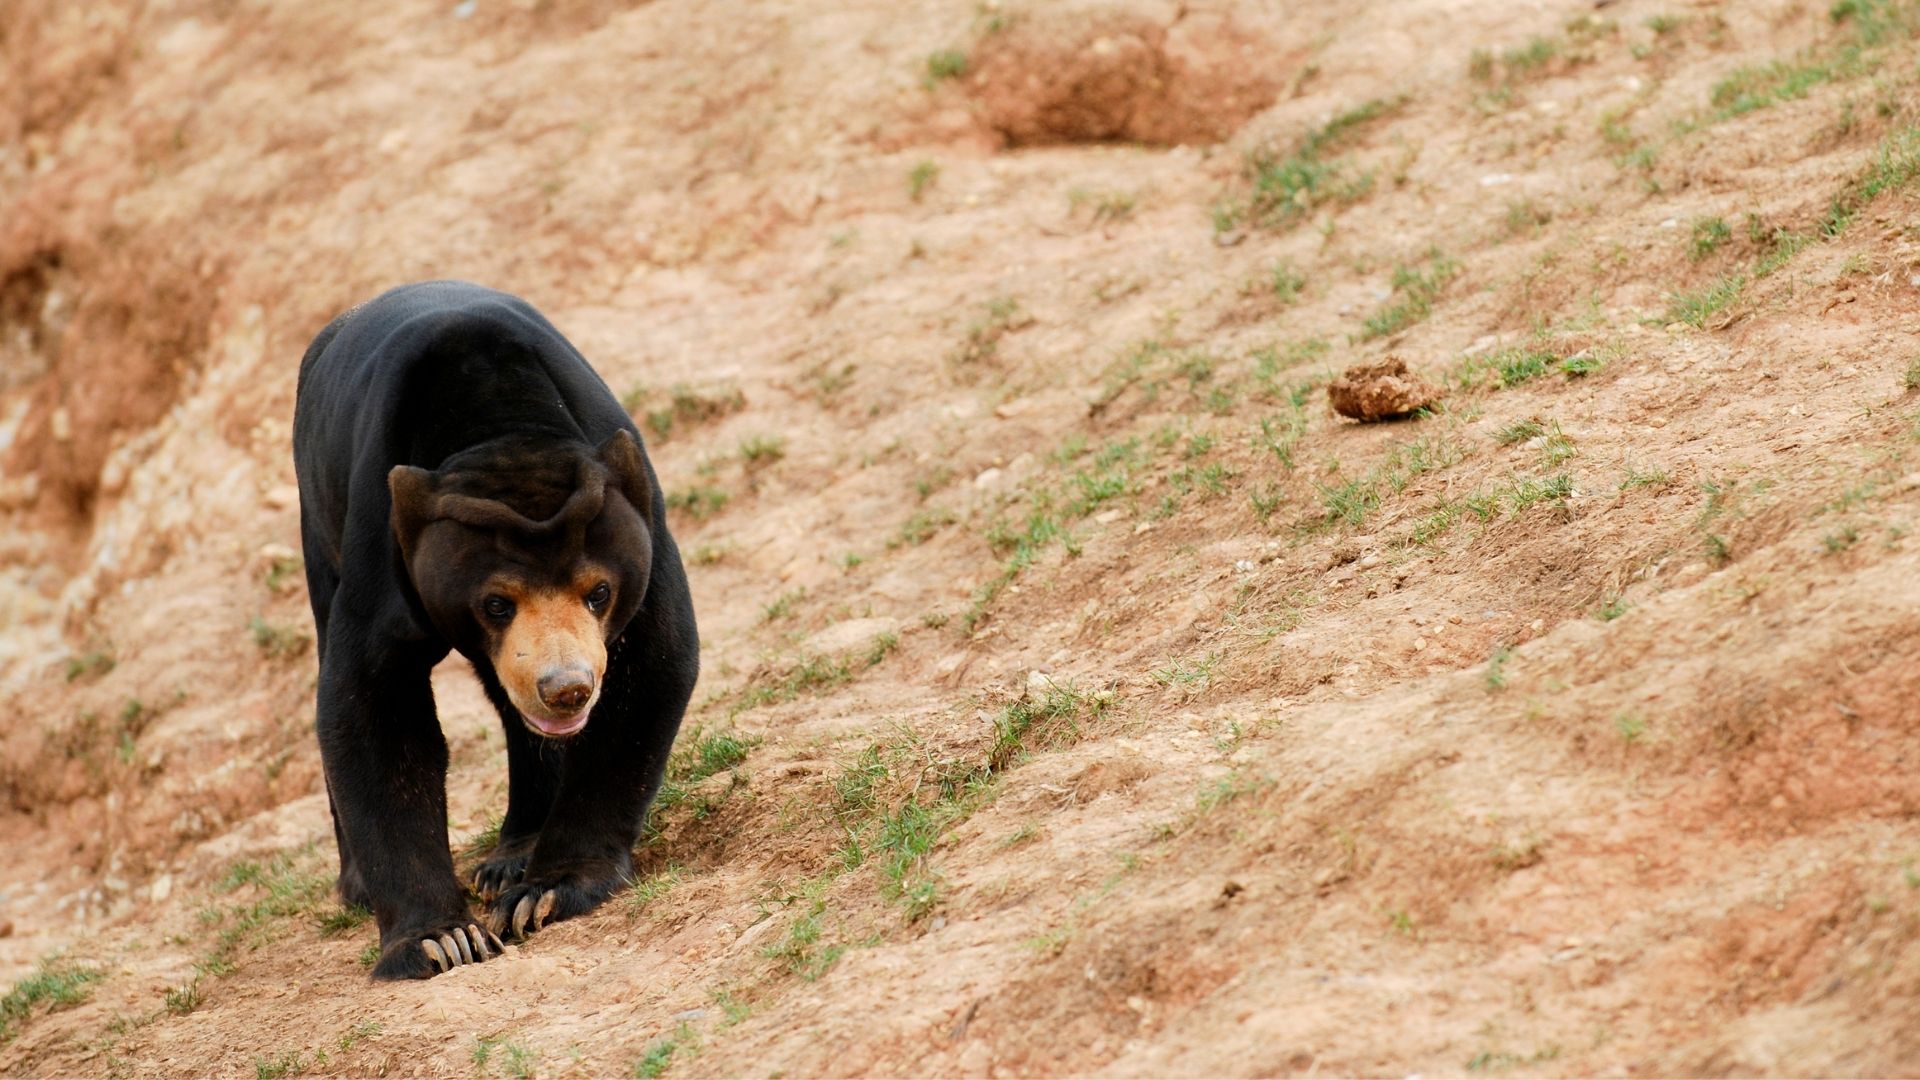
476, 387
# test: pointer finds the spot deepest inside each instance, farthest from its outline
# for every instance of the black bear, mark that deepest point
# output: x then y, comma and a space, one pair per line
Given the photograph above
468, 482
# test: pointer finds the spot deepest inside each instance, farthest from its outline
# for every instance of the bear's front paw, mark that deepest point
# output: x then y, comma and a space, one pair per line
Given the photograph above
502, 868
422, 955
527, 907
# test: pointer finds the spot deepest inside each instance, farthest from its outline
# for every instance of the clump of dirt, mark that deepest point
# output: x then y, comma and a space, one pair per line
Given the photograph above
1113, 72
1383, 390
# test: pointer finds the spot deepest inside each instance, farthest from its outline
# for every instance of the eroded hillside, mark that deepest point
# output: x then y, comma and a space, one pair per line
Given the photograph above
1080, 694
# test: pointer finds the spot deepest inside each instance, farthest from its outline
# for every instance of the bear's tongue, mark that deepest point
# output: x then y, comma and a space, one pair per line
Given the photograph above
556, 727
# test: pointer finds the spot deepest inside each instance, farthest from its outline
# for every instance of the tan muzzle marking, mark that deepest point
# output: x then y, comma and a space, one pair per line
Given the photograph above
552, 633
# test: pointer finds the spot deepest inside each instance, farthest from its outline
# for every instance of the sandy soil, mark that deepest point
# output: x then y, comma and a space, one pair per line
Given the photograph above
1081, 694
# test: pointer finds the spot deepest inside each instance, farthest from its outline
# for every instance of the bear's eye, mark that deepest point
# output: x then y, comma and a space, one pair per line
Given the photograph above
597, 599
497, 607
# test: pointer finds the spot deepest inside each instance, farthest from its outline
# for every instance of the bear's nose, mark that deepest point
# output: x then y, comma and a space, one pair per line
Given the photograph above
566, 689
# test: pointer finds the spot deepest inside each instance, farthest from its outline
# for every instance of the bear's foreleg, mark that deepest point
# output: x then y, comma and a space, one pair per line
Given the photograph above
386, 768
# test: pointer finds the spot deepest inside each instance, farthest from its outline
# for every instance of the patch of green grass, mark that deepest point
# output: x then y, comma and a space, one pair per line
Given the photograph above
56, 984
183, 999
1582, 363
1759, 86
1519, 431
281, 569
803, 952
1186, 674
1288, 184
1655, 477
1707, 235
686, 406
1630, 726
279, 889
1895, 165
1354, 500
1556, 447
709, 753
808, 675
1614, 607
1003, 316
921, 525
291, 1063
782, 605
1525, 217
1696, 307
342, 919
645, 890
1415, 290
1107, 205
1495, 676
698, 501
881, 647
516, 1060
944, 64
92, 664
763, 449
1285, 282
277, 641
732, 1009
921, 178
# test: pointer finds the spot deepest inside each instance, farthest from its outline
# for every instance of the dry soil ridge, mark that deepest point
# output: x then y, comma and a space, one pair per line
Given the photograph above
1414, 757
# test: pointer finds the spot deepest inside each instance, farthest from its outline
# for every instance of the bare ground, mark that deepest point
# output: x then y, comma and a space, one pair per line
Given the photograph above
1081, 694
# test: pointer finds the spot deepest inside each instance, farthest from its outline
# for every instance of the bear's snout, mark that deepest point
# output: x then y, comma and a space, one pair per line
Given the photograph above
566, 690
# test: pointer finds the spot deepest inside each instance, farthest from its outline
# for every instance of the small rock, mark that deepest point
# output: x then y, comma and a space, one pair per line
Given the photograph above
1038, 684
1370, 560
986, 479
1381, 391
161, 888
272, 552
6, 928
1419, 644
282, 496
1108, 517
691, 1014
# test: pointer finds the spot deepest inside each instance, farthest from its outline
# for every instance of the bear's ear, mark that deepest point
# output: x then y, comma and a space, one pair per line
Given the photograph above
413, 502
628, 470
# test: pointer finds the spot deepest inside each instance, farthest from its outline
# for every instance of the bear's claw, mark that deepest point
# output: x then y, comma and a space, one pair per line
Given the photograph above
501, 870
461, 946
528, 915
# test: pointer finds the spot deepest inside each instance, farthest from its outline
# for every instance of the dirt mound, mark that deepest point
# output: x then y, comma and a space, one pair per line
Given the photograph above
1112, 72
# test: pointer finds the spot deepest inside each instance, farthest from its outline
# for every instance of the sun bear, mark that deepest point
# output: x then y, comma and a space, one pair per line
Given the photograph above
467, 482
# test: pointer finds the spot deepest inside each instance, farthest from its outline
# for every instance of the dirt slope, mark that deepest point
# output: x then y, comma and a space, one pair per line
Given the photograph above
1081, 695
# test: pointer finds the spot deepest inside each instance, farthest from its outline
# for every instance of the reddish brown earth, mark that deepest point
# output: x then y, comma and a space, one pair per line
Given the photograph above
1112, 706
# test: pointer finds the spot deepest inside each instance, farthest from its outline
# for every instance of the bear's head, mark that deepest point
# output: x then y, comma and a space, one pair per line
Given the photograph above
531, 556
